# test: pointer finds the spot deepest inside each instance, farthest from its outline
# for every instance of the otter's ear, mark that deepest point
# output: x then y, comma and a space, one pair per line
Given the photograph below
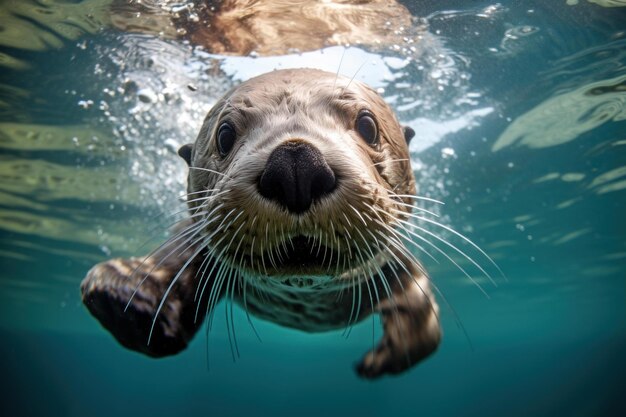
185, 152
408, 134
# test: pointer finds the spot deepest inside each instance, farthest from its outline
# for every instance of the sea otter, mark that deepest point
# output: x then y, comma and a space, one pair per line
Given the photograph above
299, 193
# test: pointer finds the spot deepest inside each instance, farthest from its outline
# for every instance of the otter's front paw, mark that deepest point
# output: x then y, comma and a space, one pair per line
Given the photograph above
106, 292
382, 360
395, 354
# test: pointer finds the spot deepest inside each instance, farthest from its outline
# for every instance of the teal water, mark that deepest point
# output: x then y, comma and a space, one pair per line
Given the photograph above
520, 114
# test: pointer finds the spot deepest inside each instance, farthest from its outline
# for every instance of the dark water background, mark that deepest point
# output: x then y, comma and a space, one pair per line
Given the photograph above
520, 110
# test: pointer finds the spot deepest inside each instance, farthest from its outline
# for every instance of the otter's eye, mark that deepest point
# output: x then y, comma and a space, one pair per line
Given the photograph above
367, 128
226, 137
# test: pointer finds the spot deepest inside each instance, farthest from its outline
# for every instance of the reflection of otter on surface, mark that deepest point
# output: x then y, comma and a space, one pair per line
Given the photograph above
299, 190
269, 27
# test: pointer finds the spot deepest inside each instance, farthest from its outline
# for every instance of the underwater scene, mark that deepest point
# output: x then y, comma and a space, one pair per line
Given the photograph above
519, 157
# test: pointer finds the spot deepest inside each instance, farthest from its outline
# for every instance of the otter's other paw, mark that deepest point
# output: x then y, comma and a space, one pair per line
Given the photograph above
385, 359
390, 359
409, 336
375, 363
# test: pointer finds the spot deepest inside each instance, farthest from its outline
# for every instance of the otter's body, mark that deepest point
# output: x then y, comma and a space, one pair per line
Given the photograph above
300, 191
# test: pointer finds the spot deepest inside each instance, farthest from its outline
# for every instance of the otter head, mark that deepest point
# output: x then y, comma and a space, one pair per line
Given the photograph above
300, 173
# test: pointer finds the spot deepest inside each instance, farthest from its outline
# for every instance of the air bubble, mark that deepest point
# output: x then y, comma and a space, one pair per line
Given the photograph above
146, 95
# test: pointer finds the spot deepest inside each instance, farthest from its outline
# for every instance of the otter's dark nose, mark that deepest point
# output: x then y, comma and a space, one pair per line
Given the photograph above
296, 174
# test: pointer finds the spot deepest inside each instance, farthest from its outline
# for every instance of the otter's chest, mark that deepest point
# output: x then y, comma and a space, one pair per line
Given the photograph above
309, 310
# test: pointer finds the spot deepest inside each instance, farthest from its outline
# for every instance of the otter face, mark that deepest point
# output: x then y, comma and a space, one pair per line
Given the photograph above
300, 173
